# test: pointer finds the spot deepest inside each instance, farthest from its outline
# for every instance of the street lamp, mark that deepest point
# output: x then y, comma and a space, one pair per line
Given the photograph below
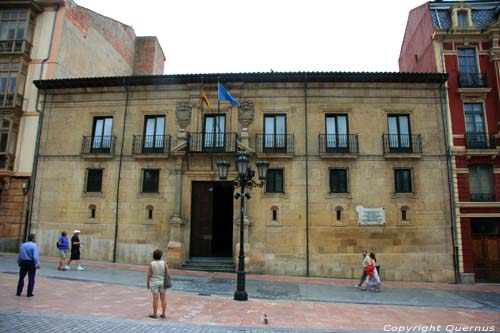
244, 181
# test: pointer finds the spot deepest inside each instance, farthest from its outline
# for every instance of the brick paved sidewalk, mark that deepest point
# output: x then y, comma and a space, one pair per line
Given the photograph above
54, 296
495, 288
59, 296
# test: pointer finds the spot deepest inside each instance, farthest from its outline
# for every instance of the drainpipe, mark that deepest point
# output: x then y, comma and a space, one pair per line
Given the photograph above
449, 161
32, 181
307, 174
120, 171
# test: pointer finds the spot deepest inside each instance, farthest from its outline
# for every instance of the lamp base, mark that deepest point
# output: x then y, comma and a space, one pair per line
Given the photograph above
240, 295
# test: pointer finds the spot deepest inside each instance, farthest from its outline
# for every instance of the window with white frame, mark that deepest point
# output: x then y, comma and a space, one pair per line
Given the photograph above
481, 183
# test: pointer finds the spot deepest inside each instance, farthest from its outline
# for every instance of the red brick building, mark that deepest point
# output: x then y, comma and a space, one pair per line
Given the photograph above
461, 38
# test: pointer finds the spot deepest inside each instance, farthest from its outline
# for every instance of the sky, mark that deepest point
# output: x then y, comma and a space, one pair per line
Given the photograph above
232, 36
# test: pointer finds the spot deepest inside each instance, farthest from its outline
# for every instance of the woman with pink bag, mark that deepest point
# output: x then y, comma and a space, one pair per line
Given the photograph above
373, 282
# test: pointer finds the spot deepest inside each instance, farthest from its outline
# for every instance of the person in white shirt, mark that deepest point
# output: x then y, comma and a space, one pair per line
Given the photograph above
155, 282
364, 263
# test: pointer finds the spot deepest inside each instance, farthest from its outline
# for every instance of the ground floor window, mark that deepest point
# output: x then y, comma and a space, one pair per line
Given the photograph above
403, 181
94, 180
274, 181
338, 180
150, 180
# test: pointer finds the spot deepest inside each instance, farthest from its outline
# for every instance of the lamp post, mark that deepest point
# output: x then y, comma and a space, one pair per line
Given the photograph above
244, 181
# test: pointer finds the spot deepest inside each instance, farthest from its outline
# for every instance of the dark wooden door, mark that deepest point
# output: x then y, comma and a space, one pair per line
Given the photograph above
486, 250
211, 219
201, 219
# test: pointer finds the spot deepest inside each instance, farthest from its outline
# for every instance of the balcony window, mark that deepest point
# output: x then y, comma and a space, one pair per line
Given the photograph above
154, 134
214, 132
481, 183
399, 133
476, 136
12, 82
470, 76
16, 31
275, 138
102, 135
337, 134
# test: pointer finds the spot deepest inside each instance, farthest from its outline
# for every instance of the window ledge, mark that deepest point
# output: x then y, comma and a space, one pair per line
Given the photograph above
148, 195
331, 195
276, 195
274, 224
412, 195
275, 155
338, 155
97, 156
93, 194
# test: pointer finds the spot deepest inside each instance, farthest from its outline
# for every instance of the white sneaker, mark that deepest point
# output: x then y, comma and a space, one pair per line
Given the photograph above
67, 267
80, 268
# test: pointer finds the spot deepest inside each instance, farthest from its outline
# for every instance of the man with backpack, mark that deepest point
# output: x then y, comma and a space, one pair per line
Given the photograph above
63, 246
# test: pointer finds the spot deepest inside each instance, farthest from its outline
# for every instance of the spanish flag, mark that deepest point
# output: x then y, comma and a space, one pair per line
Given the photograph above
204, 98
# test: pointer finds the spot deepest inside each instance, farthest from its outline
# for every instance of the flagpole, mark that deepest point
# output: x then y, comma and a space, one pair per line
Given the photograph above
218, 97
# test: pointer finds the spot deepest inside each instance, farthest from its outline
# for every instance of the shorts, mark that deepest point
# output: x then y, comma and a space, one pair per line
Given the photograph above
157, 289
75, 254
63, 254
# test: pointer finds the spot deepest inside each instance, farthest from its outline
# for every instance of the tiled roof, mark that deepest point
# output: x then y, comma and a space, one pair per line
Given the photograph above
382, 77
483, 14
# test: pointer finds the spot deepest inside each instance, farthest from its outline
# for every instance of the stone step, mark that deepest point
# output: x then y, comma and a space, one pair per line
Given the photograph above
221, 260
210, 264
227, 269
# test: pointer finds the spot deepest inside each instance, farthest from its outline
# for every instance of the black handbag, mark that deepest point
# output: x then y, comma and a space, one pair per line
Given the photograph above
167, 282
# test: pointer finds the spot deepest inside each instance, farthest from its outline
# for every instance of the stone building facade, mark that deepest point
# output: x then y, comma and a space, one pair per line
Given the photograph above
51, 39
461, 38
357, 161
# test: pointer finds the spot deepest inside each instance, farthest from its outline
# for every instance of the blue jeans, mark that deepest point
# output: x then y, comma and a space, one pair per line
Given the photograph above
27, 267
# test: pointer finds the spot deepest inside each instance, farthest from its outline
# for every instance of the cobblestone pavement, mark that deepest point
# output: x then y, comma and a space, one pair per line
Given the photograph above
29, 323
113, 298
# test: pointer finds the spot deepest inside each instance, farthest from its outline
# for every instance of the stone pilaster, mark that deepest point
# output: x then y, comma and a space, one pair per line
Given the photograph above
245, 118
175, 252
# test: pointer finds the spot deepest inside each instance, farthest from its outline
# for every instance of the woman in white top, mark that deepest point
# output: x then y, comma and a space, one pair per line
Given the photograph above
156, 275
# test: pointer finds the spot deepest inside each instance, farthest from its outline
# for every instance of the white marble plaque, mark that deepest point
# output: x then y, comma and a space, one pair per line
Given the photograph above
370, 216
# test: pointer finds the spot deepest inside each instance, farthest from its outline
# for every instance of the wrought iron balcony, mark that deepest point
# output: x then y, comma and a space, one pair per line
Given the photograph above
274, 143
480, 141
402, 143
96, 145
472, 80
15, 46
6, 161
482, 197
151, 144
338, 144
208, 142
